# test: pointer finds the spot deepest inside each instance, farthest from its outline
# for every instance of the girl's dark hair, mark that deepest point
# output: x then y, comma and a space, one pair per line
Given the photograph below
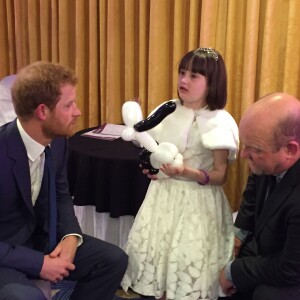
209, 63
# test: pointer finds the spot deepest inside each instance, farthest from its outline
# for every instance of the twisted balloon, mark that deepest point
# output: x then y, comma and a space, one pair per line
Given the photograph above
153, 155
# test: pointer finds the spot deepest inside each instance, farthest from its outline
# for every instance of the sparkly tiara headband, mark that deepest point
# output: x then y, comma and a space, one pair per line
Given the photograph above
211, 52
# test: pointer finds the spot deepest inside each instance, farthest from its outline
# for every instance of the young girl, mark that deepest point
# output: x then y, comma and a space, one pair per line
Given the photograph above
183, 233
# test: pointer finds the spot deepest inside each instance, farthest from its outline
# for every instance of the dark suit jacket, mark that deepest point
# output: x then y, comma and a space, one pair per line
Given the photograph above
276, 233
24, 229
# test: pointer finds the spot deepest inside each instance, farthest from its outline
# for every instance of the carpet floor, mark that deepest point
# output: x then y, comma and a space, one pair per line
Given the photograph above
63, 290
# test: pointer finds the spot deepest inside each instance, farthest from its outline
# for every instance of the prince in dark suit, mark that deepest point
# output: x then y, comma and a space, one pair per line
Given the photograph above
267, 243
44, 98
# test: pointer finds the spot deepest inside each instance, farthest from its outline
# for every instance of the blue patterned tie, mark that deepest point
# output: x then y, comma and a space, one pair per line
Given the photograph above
52, 198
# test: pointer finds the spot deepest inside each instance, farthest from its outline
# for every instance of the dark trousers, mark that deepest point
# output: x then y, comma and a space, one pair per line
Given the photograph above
100, 267
15, 285
264, 292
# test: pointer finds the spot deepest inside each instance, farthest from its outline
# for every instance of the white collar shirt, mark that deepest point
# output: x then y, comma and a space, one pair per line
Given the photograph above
36, 159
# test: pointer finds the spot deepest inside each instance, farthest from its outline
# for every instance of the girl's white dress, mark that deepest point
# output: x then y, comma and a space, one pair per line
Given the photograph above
183, 233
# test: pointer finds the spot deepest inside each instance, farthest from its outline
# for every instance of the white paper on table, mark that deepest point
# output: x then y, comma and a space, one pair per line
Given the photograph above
106, 132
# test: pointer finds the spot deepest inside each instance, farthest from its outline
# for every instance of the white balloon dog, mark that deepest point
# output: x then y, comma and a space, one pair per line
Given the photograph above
163, 153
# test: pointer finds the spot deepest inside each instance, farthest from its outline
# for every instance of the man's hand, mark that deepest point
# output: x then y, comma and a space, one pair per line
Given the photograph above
226, 285
55, 269
59, 262
237, 246
66, 249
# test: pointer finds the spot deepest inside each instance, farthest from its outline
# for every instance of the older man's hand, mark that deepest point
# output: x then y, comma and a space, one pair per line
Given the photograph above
226, 285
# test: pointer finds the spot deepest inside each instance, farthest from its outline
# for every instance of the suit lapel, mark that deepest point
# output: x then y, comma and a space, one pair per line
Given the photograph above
278, 197
19, 160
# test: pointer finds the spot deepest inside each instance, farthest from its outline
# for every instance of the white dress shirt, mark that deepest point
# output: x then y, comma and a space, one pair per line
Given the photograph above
36, 159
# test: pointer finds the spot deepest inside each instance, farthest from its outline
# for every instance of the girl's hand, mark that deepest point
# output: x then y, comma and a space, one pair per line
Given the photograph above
152, 177
171, 171
146, 172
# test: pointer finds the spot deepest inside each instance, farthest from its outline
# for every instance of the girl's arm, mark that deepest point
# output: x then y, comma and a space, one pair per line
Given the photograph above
216, 176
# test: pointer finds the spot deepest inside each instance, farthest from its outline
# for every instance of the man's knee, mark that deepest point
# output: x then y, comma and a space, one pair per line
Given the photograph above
124, 261
267, 292
111, 257
119, 258
261, 293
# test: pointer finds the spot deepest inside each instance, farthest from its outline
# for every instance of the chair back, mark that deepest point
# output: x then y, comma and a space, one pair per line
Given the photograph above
7, 111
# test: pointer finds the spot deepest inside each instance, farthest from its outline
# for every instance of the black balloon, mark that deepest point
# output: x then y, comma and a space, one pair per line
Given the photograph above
144, 157
154, 119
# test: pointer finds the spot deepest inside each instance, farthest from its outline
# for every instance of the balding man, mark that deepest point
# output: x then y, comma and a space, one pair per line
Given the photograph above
267, 243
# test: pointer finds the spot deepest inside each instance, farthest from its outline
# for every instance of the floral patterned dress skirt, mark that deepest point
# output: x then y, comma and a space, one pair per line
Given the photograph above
181, 238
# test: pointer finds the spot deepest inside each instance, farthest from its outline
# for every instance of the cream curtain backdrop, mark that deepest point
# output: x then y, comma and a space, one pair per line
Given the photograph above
123, 49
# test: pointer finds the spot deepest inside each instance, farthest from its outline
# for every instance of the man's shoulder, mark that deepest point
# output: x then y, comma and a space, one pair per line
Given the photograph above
59, 146
7, 130
291, 176
58, 141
